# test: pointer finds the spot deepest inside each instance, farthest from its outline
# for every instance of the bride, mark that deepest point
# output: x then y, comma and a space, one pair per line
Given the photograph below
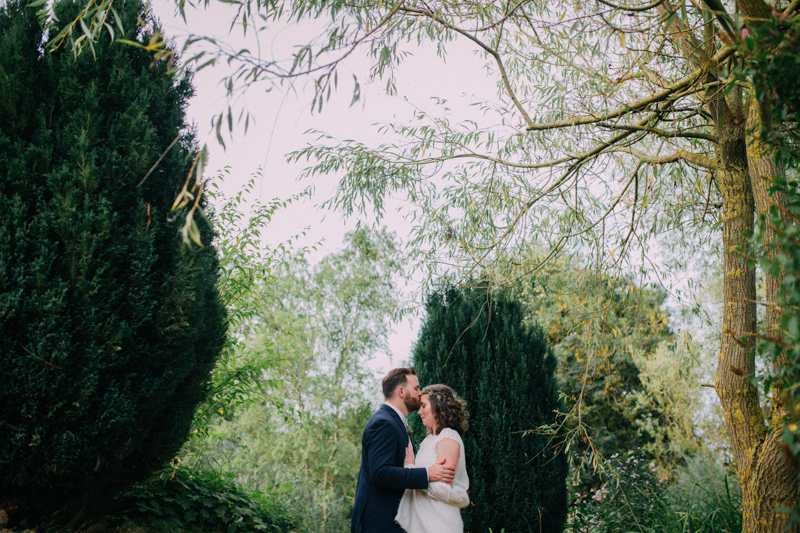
437, 508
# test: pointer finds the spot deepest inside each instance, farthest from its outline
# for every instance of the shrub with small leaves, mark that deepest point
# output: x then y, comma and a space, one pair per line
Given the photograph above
109, 324
182, 498
631, 499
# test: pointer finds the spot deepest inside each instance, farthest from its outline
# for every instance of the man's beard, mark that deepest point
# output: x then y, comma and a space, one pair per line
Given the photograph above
412, 404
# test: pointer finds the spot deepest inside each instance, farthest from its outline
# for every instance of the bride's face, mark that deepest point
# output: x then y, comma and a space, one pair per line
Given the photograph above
426, 412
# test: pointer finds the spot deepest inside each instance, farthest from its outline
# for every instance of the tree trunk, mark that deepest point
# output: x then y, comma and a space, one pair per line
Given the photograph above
738, 397
772, 481
767, 480
763, 171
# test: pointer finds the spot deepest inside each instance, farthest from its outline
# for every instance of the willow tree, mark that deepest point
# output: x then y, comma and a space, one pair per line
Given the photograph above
614, 121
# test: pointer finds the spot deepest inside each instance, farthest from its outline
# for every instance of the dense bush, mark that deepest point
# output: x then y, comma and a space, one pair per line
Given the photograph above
186, 499
475, 341
635, 497
109, 324
630, 499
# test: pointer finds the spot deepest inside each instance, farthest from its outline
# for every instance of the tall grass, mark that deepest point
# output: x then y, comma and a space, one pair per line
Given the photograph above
705, 498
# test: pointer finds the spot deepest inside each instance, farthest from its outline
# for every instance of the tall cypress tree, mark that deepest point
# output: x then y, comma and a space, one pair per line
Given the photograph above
109, 325
475, 341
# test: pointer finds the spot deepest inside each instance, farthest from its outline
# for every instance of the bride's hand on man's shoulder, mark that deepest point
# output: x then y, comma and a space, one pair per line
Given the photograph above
409, 460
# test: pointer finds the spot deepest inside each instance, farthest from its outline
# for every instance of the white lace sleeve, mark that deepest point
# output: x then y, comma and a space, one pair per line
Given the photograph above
452, 495
449, 433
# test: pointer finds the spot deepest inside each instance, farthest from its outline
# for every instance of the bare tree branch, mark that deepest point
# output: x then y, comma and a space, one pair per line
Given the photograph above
629, 9
659, 132
491, 51
680, 155
644, 103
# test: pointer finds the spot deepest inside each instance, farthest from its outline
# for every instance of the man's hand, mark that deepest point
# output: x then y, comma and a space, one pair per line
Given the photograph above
409, 460
441, 472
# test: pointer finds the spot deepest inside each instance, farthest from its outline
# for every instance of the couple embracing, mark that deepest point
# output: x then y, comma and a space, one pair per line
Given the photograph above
398, 492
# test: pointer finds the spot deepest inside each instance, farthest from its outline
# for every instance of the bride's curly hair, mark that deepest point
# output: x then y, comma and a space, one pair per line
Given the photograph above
448, 409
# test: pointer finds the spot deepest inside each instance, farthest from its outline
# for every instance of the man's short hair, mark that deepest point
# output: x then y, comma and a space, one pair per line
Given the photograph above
395, 378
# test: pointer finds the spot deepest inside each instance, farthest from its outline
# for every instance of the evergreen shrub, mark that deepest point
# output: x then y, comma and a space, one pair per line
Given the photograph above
475, 341
186, 499
109, 324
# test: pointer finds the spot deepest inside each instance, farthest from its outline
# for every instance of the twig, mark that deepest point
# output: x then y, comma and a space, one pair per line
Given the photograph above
788, 10
780, 207
776, 340
633, 9
158, 160
765, 304
39, 358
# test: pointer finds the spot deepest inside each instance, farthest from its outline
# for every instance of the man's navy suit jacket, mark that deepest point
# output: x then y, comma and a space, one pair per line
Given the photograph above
382, 478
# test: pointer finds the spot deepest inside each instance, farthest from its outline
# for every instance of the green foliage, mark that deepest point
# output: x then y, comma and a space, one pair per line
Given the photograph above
182, 498
245, 264
109, 324
597, 325
320, 325
475, 341
774, 72
704, 498
311, 466
636, 498
629, 500
690, 422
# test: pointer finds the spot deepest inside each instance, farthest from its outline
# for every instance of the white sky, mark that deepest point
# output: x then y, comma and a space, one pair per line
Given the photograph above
284, 114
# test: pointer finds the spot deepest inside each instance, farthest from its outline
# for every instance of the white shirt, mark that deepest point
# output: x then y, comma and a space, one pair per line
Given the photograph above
400, 414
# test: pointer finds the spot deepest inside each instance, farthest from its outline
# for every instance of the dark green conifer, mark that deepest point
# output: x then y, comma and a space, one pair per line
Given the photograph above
475, 341
109, 324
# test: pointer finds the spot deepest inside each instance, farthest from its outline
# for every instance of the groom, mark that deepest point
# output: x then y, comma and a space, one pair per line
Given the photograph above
382, 478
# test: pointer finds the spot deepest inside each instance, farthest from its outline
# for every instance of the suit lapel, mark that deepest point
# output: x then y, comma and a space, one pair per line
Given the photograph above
395, 417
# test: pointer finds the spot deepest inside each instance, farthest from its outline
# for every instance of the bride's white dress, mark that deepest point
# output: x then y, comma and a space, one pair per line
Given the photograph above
436, 509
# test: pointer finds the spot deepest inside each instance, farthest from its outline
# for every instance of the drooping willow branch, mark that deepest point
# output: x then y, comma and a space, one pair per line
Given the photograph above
489, 50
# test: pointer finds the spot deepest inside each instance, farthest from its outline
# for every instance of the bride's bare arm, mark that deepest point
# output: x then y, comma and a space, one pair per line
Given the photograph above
450, 450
